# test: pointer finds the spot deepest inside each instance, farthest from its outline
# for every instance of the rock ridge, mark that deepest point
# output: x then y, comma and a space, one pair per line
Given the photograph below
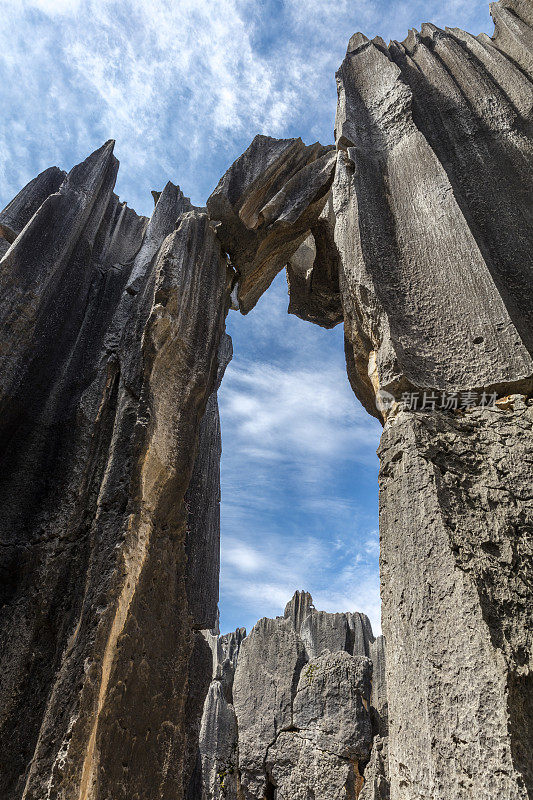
308, 706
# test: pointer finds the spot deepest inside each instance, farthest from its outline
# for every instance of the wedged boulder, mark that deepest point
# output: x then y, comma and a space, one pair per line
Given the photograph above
266, 204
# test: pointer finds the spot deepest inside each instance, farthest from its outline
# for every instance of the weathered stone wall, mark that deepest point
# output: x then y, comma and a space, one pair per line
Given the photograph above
110, 325
296, 709
456, 519
433, 203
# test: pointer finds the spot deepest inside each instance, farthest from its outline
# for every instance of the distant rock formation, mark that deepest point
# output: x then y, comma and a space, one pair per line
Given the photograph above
297, 709
416, 230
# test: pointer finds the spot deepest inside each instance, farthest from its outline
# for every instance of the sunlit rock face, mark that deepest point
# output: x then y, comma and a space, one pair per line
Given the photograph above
432, 204
415, 230
433, 211
297, 710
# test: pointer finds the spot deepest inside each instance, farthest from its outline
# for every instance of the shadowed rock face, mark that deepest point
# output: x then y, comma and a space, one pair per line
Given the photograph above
306, 708
110, 328
416, 231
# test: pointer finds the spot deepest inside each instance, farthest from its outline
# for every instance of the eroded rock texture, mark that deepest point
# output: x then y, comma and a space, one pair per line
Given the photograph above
109, 327
112, 348
219, 746
456, 516
296, 709
415, 229
433, 226
433, 206
266, 205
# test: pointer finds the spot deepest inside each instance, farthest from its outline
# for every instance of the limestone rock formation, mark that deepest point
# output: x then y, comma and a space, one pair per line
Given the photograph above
112, 348
415, 229
202, 500
218, 748
433, 213
109, 329
300, 713
456, 516
433, 224
313, 274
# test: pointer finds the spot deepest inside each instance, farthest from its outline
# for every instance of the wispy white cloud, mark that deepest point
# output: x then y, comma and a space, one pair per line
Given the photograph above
261, 577
182, 86
304, 412
299, 471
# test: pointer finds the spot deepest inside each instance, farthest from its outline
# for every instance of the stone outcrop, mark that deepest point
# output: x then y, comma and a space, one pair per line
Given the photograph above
415, 230
456, 521
112, 348
433, 225
218, 777
296, 708
432, 202
110, 325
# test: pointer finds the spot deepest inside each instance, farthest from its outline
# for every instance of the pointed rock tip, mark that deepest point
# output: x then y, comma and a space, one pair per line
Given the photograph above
411, 40
429, 29
299, 598
379, 41
357, 41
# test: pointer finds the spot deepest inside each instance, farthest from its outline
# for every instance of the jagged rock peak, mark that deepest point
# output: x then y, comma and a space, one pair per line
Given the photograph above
303, 708
298, 608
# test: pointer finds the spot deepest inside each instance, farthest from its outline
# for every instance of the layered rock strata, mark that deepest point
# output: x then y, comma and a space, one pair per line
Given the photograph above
296, 710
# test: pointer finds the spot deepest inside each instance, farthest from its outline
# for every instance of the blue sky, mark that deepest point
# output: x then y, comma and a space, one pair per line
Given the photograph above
183, 86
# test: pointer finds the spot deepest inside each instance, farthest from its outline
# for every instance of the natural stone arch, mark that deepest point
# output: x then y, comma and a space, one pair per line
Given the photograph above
111, 326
